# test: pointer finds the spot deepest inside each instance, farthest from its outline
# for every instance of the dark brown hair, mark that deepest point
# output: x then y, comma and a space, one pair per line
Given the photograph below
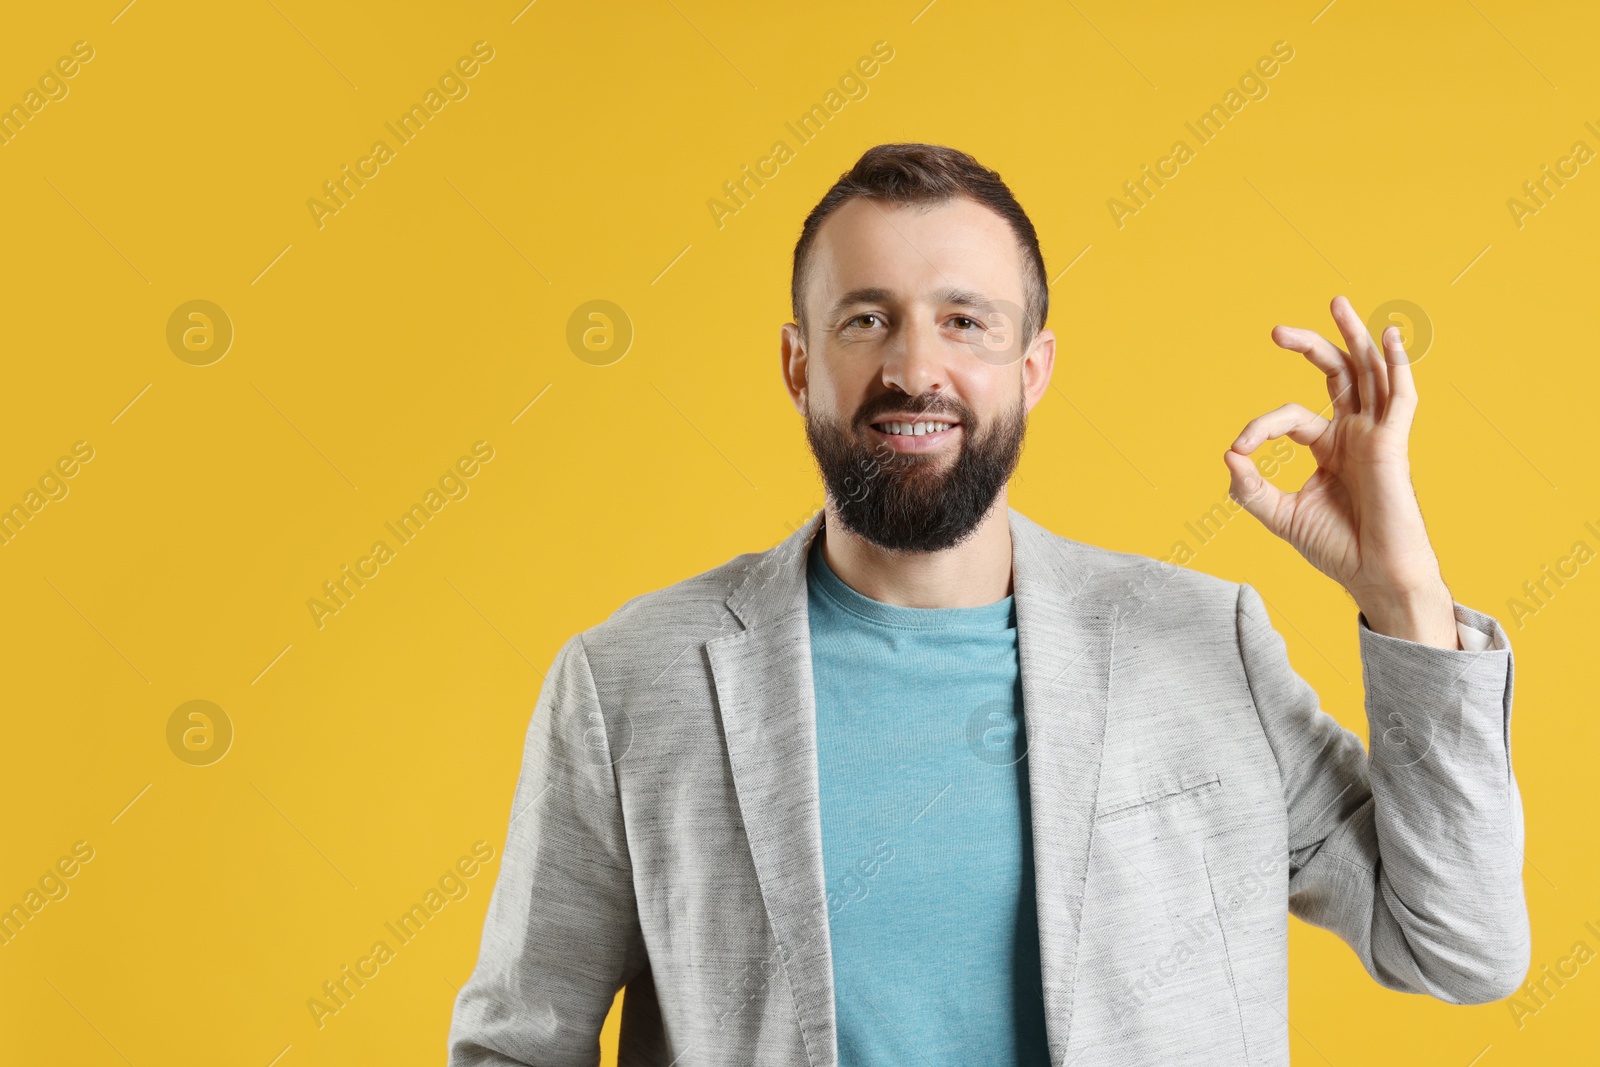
928, 174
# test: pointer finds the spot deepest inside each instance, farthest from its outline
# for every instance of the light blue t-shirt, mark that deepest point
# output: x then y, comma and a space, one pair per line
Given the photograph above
926, 840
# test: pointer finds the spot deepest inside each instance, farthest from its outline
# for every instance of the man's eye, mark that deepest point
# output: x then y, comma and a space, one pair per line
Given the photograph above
864, 315
966, 322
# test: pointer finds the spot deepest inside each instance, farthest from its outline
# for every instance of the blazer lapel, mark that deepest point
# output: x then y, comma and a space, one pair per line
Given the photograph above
767, 702
768, 706
1064, 643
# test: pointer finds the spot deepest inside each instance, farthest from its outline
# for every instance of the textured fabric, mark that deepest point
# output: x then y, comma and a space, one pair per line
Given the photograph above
926, 846
1186, 791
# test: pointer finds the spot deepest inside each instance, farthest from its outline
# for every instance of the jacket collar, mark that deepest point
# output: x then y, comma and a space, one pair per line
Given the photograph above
767, 703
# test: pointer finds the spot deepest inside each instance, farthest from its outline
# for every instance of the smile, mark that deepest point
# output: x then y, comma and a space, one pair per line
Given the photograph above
914, 436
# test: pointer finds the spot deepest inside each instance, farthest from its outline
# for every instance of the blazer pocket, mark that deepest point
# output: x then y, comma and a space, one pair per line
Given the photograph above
1176, 789
1155, 948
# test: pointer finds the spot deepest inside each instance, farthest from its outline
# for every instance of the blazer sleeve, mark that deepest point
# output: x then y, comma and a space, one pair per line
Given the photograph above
561, 935
1412, 852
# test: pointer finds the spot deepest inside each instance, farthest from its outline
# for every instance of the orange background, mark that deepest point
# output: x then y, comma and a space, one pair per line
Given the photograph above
372, 347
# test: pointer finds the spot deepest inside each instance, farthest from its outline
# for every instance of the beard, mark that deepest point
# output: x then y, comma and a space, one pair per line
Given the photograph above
904, 501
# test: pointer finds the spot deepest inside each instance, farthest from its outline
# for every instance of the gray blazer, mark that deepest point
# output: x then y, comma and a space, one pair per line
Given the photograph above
1187, 796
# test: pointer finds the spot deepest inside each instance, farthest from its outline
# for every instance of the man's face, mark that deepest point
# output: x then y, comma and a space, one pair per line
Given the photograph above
912, 373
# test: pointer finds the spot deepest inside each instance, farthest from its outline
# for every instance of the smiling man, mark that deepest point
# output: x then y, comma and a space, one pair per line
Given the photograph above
928, 783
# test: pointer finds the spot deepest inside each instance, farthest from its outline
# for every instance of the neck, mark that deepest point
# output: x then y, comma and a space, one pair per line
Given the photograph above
971, 574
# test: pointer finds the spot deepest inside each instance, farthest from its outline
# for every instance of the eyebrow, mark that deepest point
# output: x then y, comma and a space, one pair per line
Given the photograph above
879, 295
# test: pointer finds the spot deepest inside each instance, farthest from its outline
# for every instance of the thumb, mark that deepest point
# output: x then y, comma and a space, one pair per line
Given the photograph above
1253, 492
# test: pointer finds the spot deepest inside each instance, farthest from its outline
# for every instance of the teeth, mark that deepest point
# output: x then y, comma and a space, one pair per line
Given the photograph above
915, 429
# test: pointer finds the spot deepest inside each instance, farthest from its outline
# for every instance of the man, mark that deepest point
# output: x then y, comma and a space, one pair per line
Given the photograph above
929, 784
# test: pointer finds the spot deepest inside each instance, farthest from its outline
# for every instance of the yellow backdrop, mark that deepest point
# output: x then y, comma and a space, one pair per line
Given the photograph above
243, 341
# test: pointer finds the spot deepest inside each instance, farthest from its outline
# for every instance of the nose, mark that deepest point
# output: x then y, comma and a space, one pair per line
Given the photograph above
915, 363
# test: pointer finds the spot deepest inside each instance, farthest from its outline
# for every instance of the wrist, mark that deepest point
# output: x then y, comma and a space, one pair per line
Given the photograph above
1424, 614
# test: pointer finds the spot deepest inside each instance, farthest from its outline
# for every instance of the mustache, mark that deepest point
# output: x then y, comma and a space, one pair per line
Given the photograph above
928, 406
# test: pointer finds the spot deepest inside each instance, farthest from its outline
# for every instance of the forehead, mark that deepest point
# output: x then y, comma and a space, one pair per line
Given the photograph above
913, 249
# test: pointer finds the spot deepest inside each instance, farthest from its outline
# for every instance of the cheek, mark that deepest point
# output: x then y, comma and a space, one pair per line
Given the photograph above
837, 388
989, 392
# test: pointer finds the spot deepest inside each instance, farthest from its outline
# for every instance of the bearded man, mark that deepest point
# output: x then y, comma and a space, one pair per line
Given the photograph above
927, 783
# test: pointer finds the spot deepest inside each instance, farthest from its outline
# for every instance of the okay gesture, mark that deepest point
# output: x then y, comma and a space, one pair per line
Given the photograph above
1356, 518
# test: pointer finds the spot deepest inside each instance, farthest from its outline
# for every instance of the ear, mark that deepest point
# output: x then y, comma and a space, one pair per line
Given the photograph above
792, 354
1037, 366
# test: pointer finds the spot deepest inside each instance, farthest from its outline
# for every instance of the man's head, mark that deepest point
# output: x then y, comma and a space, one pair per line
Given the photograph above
919, 301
